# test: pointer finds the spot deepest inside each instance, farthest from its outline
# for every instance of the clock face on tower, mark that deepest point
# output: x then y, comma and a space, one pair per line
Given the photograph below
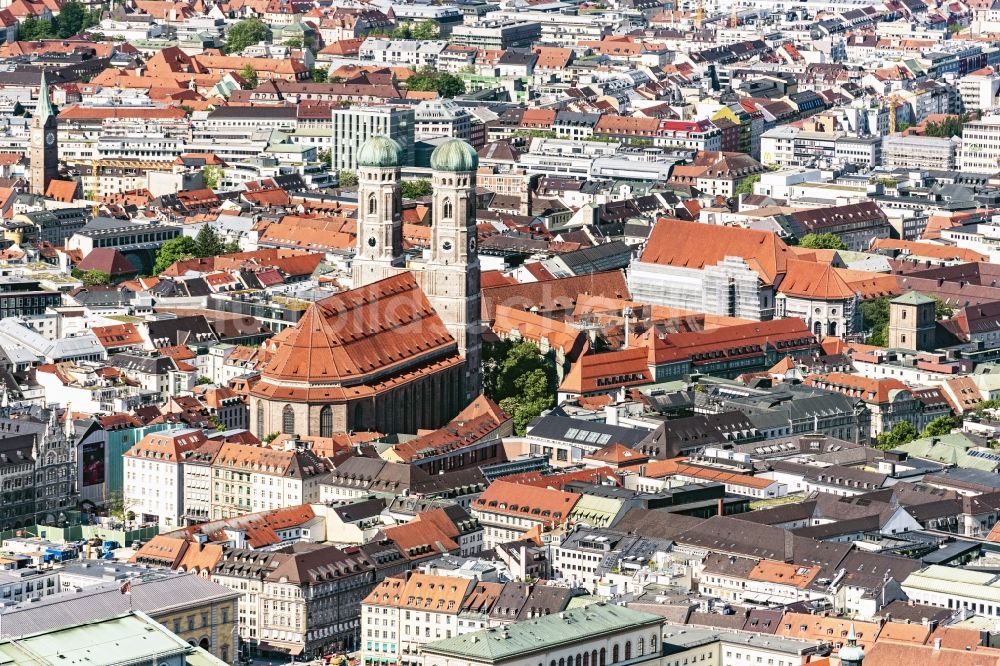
472, 245
372, 242
50, 139
446, 245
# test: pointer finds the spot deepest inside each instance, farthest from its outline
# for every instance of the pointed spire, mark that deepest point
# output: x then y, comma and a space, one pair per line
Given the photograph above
43, 109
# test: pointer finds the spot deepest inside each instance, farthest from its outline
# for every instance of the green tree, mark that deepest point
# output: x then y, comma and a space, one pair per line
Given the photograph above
412, 189
249, 76
202, 380
91, 278
319, 74
443, 83
822, 242
270, 438
246, 33
294, 42
118, 508
533, 134
211, 176
947, 128
941, 309
207, 243
347, 178
403, 31
174, 250
901, 433
231, 247
73, 17
425, 30
746, 185
325, 156
33, 29
875, 317
520, 379
942, 425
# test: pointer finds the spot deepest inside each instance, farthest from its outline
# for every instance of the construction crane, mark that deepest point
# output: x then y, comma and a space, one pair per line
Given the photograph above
892, 113
94, 208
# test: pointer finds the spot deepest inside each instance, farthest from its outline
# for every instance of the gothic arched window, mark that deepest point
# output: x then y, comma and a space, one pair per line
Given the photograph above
326, 422
447, 208
288, 420
372, 204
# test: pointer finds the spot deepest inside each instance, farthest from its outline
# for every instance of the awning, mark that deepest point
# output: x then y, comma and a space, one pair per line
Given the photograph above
285, 648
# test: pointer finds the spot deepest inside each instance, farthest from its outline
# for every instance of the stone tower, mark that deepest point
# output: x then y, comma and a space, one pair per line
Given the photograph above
452, 272
379, 249
912, 322
44, 152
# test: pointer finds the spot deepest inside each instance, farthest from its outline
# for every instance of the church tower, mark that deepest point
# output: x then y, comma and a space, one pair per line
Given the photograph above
851, 654
451, 279
44, 152
379, 249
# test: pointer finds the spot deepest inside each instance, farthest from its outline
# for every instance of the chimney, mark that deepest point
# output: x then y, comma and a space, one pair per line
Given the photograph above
789, 546
721, 506
937, 643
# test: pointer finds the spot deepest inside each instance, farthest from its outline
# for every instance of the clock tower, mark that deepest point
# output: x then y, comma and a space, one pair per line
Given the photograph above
452, 272
44, 151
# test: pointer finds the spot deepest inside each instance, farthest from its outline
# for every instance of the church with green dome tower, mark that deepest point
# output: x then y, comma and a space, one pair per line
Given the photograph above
448, 274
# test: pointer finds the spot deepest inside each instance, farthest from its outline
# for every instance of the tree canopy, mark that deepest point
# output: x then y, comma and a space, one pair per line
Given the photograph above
347, 178
246, 33
207, 243
901, 433
72, 20
445, 84
947, 128
319, 74
822, 242
211, 176
942, 425
411, 189
95, 277
249, 76
422, 30
746, 185
172, 251
523, 382
875, 317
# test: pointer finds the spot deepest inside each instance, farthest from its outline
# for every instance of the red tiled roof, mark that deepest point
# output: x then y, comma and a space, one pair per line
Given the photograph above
695, 245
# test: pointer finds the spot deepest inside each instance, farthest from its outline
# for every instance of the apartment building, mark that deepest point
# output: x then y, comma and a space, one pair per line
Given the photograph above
154, 475
249, 478
402, 614
508, 510
302, 600
355, 125
981, 145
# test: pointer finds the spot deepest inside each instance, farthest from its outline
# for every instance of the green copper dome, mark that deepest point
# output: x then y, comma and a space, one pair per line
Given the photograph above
454, 155
380, 151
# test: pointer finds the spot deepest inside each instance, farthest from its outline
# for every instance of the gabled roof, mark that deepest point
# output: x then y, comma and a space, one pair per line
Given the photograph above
353, 334
695, 245
607, 371
544, 505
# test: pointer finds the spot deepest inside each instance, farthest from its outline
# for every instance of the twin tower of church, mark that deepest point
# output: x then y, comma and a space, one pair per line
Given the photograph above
449, 273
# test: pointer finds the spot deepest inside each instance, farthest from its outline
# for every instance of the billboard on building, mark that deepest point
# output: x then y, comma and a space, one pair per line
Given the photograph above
93, 463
